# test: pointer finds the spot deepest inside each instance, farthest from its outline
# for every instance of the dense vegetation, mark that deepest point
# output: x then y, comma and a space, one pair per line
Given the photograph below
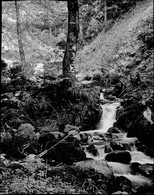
40, 107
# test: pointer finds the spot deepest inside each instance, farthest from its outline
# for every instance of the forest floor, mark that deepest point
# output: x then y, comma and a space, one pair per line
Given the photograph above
34, 175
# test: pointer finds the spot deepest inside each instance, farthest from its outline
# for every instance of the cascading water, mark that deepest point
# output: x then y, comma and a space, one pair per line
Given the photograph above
106, 121
140, 157
108, 116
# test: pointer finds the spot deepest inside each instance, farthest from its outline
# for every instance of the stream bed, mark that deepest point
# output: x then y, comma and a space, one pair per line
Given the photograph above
115, 147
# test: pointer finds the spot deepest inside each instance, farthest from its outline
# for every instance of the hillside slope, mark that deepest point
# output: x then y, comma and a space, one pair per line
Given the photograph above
102, 51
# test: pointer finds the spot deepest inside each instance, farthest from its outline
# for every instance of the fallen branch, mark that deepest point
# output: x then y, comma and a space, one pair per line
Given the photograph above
45, 151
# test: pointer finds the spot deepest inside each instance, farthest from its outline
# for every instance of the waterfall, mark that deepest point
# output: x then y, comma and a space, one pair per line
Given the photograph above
108, 116
107, 119
98, 139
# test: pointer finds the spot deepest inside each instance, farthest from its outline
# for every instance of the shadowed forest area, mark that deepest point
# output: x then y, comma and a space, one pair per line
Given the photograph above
77, 99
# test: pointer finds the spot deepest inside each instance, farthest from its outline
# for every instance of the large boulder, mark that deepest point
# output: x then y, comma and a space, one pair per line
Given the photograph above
26, 131
99, 166
137, 119
122, 184
128, 115
15, 141
146, 190
45, 138
66, 151
95, 177
143, 130
113, 130
119, 156
146, 170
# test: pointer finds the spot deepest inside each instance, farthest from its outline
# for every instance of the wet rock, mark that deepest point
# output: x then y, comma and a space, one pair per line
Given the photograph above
119, 156
69, 128
91, 149
122, 184
137, 119
135, 167
132, 109
66, 153
147, 170
146, 190
99, 166
143, 130
107, 149
113, 130
84, 137
118, 146
77, 137
112, 136
103, 137
96, 137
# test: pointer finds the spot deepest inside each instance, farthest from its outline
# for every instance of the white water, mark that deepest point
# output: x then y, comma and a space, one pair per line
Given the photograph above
108, 116
140, 157
107, 119
137, 180
119, 169
101, 154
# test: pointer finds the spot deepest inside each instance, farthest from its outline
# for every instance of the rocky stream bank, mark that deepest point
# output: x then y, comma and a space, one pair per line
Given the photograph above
101, 144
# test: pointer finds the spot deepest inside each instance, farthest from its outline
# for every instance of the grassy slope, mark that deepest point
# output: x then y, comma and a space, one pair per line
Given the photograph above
100, 52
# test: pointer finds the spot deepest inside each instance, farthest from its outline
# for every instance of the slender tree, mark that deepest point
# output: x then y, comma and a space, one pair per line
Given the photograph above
105, 10
21, 50
72, 37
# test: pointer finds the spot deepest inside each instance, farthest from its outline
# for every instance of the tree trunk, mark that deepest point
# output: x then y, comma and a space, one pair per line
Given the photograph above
21, 50
105, 11
72, 37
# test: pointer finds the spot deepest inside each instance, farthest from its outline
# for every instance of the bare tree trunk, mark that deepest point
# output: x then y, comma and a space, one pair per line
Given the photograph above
72, 37
105, 11
21, 50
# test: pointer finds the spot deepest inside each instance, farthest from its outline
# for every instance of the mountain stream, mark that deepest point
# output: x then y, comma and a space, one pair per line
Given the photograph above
97, 138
